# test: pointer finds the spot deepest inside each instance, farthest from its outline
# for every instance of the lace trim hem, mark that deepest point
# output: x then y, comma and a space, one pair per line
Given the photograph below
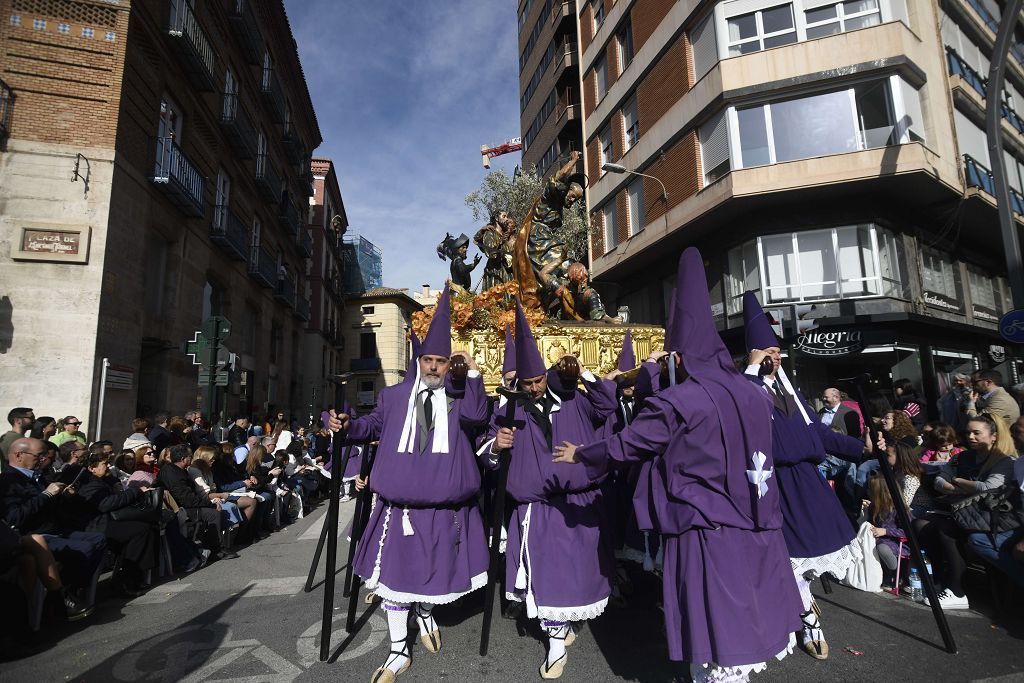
837, 562
576, 613
741, 672
385, 593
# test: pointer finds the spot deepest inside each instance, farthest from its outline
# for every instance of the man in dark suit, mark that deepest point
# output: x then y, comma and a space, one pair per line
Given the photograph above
32, 507
160, 435
844, 420
200, 509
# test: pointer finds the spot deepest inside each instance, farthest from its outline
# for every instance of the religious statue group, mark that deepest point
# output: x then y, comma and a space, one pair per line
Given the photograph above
682, 462
532, 254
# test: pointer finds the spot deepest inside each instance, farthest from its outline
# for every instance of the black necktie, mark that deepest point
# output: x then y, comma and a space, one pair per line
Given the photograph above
428, 408
779, 391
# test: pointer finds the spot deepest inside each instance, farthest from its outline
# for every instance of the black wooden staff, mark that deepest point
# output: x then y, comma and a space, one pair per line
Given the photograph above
331, 529
360, 519
335, 492
904, 519
497, 567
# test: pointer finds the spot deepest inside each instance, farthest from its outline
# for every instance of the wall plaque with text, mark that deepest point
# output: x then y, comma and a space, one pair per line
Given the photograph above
40, 242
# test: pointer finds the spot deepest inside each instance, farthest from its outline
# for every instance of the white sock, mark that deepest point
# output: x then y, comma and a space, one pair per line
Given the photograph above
425, 618
557, 631
398, 628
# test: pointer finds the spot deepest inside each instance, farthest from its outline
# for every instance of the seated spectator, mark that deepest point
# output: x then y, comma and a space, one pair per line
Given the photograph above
940, 444
282, 435
908, 402
178, 429
240, 431
46, 468
43, 428
134, 541
140, 428
50, 511
237, 508
37, 564
145, 454
881, 514
200, 509
241, 452
983, 467
990, 397
906, 466
260, 477
72, 455
67, 429
21, 420
159, 434
125, 461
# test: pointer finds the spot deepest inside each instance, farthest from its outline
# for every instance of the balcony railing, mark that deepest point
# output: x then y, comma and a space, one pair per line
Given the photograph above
273, 95
247, 31
267, 180
285, 289
287, 216
1017, 202
561, 10
262, 267
305, 243
959, 67
193, 46
6, 107
238, 127
985, 15
229, 233
302, 309
178, 177
307, 179
293, 145
978, 176
1012, 118
568, 106
565, 56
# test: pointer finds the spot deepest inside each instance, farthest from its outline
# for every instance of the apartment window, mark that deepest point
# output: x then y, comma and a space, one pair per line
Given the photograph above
597, 8
256, 236
815, 265
601, 77
704, 46
368, 310
760, 30
368, 345
220, 209
714, 148
611, 231
842, 16
635, 199
631, 122
625, 40
230, 95
605, 137
862, 117
276, 342
261, 152
940, 275
986, 297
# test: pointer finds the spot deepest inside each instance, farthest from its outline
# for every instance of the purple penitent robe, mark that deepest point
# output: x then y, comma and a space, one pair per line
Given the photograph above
425, 539
559, 559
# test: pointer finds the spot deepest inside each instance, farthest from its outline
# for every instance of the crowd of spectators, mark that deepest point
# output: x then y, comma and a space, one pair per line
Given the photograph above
969, 455
168, 499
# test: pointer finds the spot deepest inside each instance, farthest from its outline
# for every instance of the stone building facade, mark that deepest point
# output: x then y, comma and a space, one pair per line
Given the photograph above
189, 129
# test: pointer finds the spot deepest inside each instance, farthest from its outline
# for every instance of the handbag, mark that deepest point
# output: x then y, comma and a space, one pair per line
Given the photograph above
990, 512
146, 508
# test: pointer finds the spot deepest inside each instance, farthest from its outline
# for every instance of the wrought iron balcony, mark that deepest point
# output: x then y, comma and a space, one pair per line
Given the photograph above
273, 95
246, 30
193, 46
302, 309
293, 145
238, 127
959, 67
267, 180
288, 216
229, 233
6, 105
285, 290
307, 179
305, 243
262, 267
178, 177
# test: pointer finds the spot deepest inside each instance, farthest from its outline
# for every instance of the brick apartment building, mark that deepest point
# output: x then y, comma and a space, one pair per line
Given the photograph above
156, 172
818, 152
549, 83
325, 343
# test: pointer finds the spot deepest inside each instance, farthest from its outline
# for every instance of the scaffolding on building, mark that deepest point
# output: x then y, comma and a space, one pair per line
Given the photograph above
363, 264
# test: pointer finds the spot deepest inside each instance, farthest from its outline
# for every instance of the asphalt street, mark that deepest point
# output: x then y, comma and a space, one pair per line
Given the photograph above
248, 620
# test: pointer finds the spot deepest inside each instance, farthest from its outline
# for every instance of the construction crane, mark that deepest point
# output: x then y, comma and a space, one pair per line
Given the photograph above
509, 146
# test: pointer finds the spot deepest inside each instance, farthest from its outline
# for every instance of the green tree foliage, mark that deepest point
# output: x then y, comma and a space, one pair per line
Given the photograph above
500, 192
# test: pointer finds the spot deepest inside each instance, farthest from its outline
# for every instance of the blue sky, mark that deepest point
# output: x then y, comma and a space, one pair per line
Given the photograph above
405, 92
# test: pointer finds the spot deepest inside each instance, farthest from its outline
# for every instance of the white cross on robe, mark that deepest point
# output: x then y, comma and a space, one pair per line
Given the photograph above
759, 476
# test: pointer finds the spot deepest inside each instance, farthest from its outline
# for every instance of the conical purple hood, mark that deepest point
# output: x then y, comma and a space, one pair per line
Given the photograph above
508, 360
669, 344
693, 326
627, 359
529, 362
757, 327
438, 341
410, 373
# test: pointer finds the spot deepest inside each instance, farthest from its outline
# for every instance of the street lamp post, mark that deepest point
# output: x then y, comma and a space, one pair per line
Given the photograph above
618, 168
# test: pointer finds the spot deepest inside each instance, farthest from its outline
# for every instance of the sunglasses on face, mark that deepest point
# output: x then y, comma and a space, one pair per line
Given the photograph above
74, 424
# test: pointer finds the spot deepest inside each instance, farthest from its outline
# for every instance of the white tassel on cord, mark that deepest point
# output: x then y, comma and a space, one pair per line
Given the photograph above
406, 523
521, 581
648, 560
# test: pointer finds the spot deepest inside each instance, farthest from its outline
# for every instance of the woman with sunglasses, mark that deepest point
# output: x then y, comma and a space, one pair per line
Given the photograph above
67, 429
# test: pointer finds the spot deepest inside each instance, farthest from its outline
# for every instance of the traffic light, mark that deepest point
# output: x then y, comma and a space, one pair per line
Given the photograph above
803, 318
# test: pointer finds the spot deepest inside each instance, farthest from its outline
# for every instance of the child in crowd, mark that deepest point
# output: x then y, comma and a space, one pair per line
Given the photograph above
941, 444
881, 514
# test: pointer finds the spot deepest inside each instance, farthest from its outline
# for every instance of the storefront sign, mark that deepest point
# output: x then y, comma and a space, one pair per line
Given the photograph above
120, 377
41, 242
839, 343
997, 353
985, 314
1011, 327
943, 302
